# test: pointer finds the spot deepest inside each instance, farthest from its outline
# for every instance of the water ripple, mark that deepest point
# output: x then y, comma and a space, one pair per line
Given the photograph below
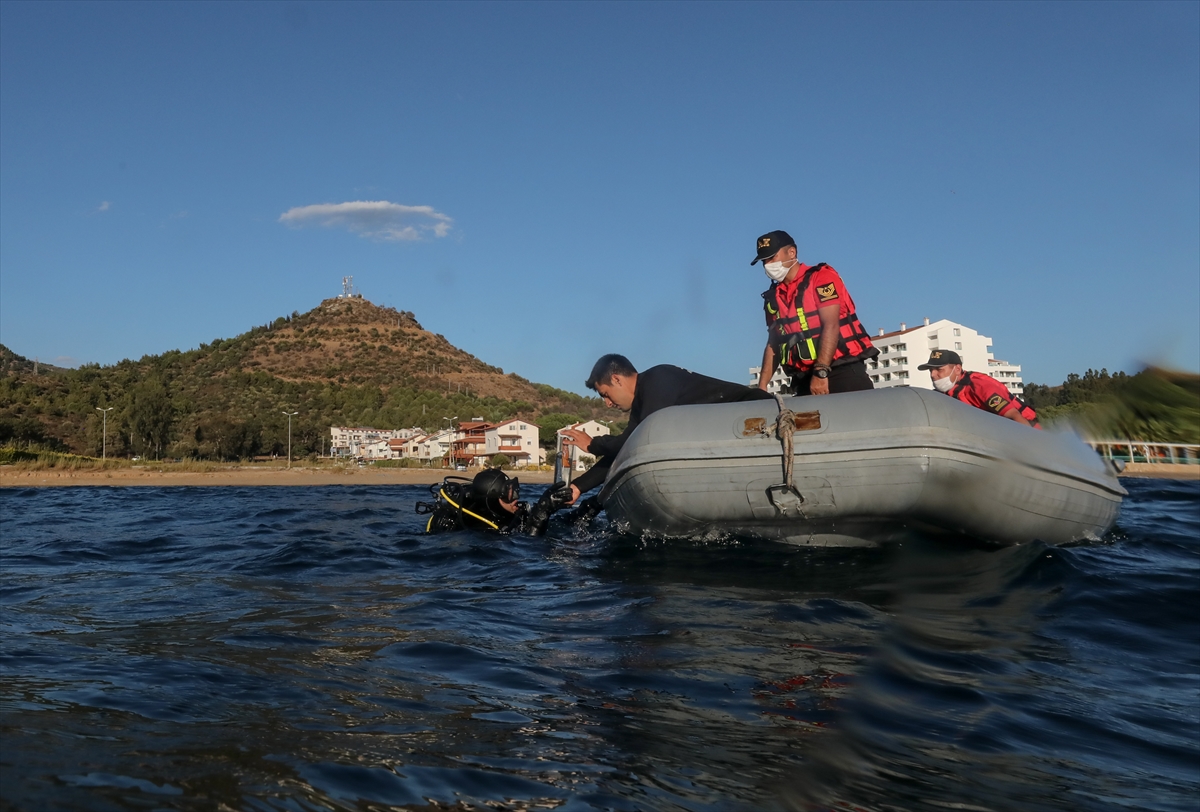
310, 649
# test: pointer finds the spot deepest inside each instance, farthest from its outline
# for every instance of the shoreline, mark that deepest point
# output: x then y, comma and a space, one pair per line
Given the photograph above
1161, 470
298, 476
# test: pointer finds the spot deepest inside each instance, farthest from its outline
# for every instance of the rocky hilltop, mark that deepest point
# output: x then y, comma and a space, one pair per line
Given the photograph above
345, 362
353, 341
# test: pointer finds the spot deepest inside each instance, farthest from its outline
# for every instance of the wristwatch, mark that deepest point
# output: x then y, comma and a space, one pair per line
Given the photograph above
821, 372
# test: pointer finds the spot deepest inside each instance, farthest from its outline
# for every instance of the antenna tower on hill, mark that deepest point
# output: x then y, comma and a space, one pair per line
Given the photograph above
347, 287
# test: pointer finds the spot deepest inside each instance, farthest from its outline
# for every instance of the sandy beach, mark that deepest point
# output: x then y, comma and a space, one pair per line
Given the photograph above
242, 476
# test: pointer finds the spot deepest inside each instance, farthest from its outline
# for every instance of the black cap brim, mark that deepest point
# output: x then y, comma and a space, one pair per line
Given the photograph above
781, 240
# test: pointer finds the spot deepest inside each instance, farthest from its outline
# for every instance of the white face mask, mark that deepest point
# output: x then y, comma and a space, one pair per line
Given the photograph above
777, 271
943, 384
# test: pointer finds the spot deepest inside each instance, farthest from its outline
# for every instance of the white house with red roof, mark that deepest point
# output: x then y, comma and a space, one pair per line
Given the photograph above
515, 439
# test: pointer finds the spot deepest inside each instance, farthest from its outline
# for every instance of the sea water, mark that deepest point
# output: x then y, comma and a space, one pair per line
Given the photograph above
309, 649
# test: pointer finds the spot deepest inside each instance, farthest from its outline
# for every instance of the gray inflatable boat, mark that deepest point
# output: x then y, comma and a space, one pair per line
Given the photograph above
867, 466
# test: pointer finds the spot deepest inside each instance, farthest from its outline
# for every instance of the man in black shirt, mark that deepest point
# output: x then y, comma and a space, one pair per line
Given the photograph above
615, 380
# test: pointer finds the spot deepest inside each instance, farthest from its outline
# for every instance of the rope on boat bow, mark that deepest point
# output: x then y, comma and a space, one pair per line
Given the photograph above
785, 425
786, 499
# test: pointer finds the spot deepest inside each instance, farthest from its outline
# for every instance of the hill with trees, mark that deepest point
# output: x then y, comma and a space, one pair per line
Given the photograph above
346, 362
1155, 404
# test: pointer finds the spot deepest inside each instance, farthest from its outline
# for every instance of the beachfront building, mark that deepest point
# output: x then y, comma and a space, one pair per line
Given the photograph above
349, 441
375, 450
515, 439
902, 351
430, 448
470, 443
578, 460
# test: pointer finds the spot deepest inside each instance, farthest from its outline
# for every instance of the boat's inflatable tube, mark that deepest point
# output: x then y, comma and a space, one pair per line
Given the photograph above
867, 466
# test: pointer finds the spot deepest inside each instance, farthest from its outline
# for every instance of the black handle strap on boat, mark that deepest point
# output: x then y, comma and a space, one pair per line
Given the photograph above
786, 499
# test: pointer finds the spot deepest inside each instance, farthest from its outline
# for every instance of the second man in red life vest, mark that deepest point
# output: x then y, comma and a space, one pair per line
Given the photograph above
812, 328
976, 389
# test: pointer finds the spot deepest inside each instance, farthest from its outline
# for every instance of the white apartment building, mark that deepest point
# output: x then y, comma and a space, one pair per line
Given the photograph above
347, 441
429, 447
515, 439
375, 450
578, 460
902, 351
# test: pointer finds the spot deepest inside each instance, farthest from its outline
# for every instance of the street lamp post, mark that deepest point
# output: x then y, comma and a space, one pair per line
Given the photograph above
104, 430
450, 440
289, 417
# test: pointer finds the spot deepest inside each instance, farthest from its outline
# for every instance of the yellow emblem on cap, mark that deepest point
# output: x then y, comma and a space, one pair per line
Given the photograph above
827, 292
764, 242
935, 354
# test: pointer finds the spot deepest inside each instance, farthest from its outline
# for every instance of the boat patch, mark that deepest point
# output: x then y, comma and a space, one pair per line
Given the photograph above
755, 427
761, 427
997, 403
827, 293
808, 421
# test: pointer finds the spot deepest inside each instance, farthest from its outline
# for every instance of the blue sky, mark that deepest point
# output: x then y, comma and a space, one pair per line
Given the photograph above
552, 181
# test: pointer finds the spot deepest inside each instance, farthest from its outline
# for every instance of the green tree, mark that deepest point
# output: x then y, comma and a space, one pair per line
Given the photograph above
549, 424
151, 413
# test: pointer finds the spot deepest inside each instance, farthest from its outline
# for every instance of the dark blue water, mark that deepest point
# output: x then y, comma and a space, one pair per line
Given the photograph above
307, 649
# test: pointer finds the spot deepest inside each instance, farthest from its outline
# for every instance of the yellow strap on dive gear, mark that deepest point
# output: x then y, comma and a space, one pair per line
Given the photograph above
488, 522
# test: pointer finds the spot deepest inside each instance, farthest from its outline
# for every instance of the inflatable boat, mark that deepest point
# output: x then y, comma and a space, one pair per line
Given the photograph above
867, 467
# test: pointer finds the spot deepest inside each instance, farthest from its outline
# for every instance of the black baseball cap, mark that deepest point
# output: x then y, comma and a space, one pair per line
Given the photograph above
770, 243
941, 358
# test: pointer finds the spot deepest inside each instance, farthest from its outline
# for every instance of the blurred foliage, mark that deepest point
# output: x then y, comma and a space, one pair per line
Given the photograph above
1156, 405
405, 462
37, 456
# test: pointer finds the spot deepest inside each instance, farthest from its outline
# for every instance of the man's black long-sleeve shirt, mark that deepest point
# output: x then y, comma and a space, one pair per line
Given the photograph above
657, 388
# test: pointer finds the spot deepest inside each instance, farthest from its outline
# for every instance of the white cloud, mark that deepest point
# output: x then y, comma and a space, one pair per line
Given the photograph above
377, 219
104, 204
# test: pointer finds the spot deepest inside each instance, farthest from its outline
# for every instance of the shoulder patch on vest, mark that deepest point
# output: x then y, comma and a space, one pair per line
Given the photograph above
827, 293
996, 403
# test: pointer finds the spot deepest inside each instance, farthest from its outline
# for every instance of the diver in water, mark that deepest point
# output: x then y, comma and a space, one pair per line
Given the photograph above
490, 502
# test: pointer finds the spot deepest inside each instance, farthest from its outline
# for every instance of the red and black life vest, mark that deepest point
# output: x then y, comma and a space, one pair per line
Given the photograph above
796, 332
983, 391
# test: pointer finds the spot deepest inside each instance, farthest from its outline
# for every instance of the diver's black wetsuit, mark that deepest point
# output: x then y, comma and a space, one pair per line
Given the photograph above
657, 388
458, 508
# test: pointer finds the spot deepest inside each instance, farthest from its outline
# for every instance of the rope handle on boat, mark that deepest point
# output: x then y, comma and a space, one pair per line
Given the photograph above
784, 497
785, 425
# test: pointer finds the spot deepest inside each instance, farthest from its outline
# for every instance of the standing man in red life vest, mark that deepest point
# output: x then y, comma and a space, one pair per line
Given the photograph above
812, 328
976, 389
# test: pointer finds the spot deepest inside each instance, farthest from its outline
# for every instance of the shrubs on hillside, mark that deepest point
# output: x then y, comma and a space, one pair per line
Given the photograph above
1156, 405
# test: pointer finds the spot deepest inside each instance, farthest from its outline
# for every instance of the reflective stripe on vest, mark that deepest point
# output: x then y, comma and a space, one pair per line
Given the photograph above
793, 334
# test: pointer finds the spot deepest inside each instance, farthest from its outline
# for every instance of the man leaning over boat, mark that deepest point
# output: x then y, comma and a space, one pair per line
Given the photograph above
812, 327
622, 387
976, 389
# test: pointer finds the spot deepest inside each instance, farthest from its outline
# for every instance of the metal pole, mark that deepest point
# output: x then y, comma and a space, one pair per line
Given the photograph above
450, 440
104, 430
289, 417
